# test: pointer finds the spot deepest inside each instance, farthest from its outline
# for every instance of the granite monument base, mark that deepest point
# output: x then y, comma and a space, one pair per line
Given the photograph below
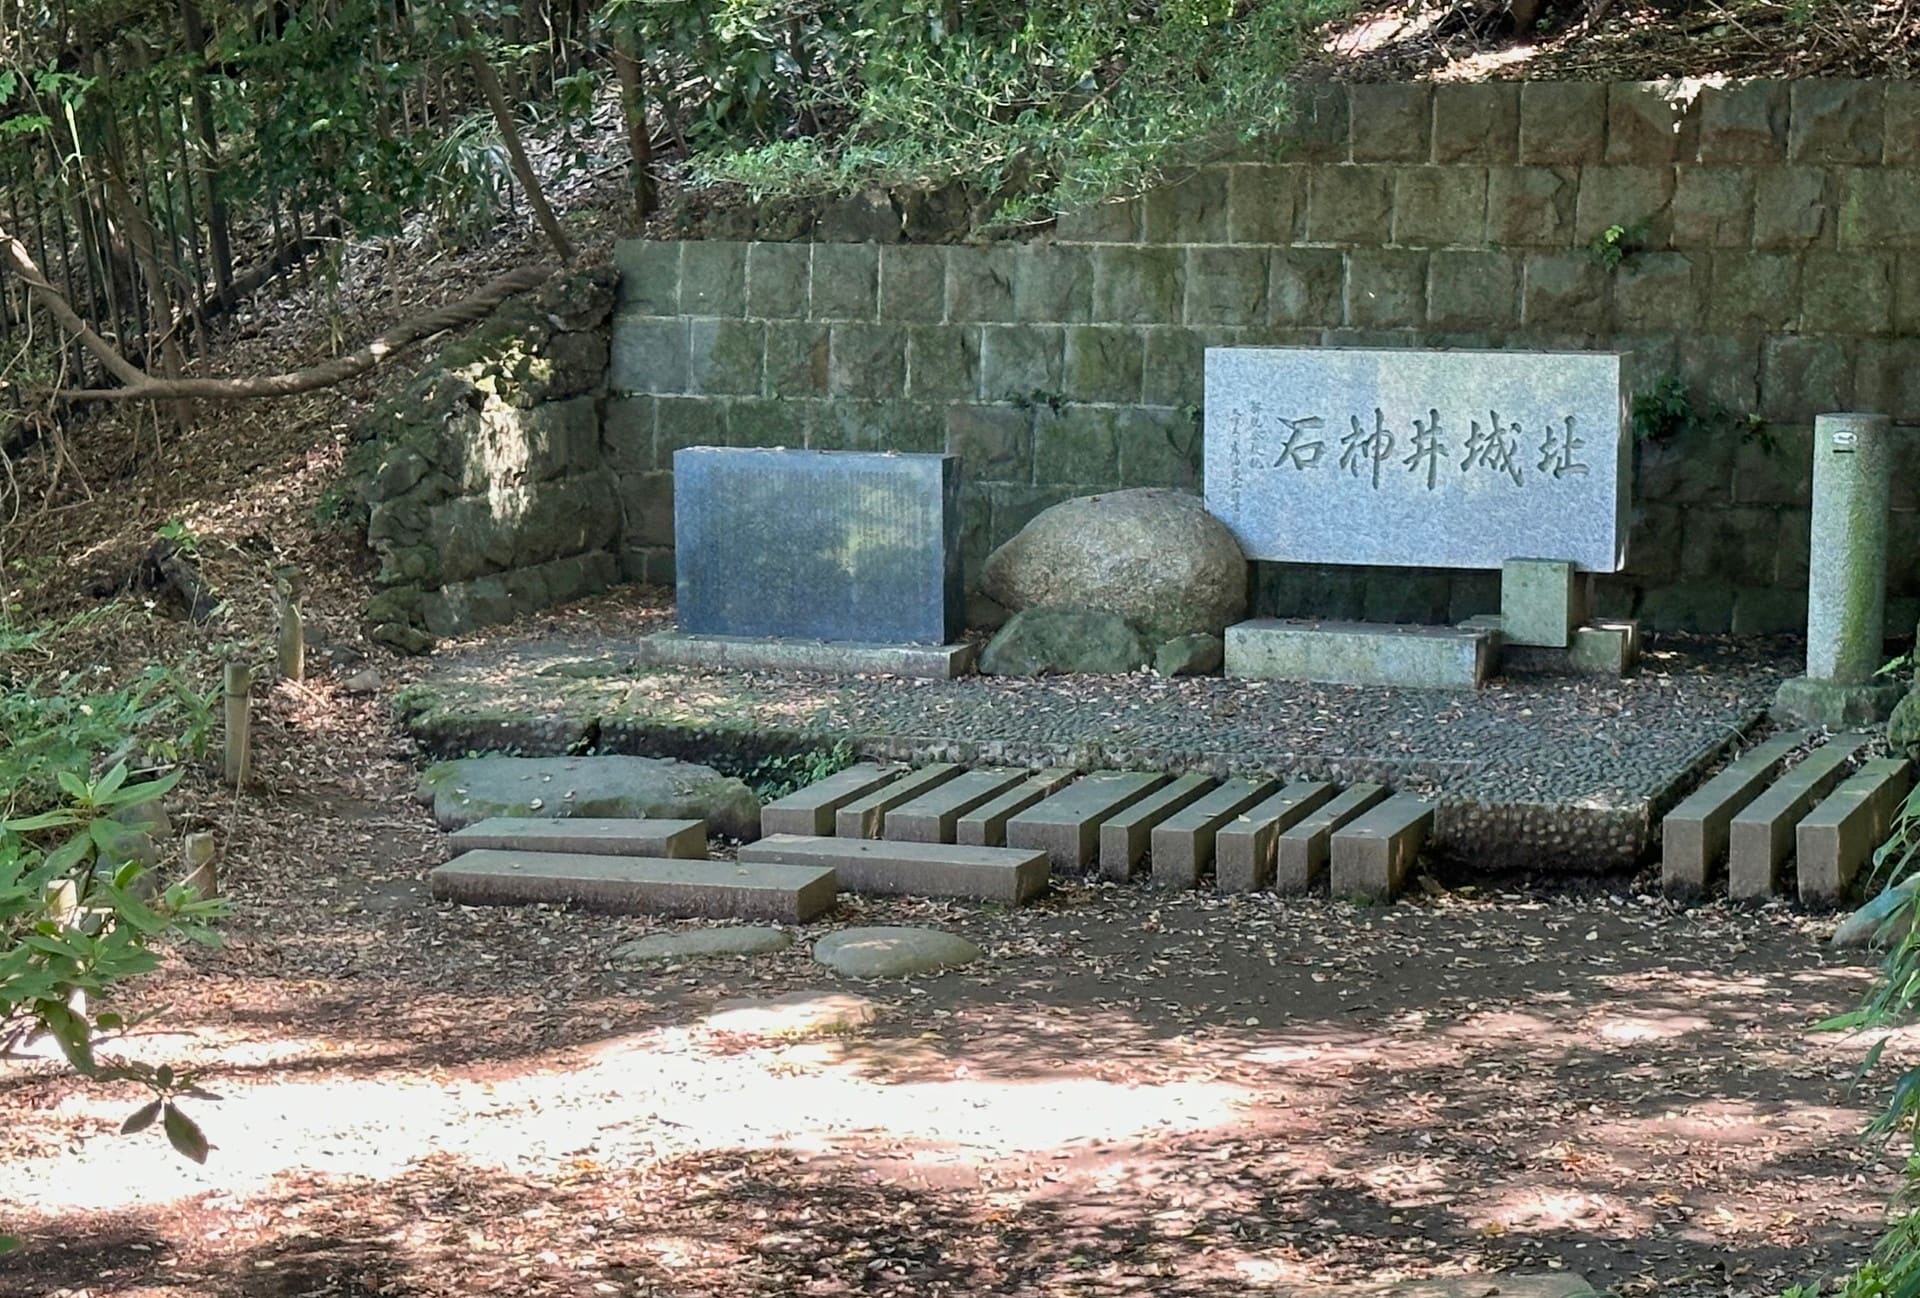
834, 657
1809, 702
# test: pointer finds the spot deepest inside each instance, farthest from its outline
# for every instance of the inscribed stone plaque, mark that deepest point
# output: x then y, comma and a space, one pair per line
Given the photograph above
817, 545
1430, 459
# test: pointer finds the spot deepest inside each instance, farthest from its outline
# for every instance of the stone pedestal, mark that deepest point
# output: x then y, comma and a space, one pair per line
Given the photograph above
1540, 602
1847, 577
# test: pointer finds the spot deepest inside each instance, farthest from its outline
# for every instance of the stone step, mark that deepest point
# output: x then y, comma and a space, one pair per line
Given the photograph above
1182, 846
934, 816
986, 824
811, 810
679, 839
636, 885
1124, 838
866, 816
883, 868
1361, 653
1301, 851
1370, 856
743, 653
1244, 851
1760, 837
1839, 836
1693, 837
1067, 826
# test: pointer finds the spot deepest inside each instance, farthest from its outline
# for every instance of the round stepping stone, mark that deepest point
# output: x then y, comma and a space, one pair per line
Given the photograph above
796, 1014
702, 942
892, 952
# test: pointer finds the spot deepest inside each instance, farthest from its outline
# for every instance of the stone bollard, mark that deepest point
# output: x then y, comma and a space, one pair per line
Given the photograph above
1847, 578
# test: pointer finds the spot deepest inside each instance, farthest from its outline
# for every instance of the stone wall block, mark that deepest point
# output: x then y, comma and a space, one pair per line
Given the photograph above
1906, 292
867, 360
1139, 285
713, 278
906, 426
1768, 610
1651, 121
994, 443
1440, 207
1470, 290
1266, 204
1774, 467
1307, 287
1352, 205
1793, 545
1692, 469
846, 281
1718, 544
1386, 288
1076, 446
1702, 607
1563, 122
1392, 121
1804, 377
725, 356
1656, 290
1745, 121
680, 422
1320, 128
1713, 207
943, 362
1847, 292
1627, 196
1111, 222
1476, 121
1158, 448
1103, 364
1754, 290
649, 354
755, 421
1791, 208
1879, 208
646, 505
1887, 382
1226, 286
1837, 121
1053, 284
626, 434
779, 280
1531, 207
1653, 548
1723, 368
913, 283
1021, 362
1189, 209
980, 284
797, 359
1563, 290
649, 276
1901, 147
1171, 365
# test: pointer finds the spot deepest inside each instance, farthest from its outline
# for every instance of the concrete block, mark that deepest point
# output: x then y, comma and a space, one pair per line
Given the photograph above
635, 885
1837, 121
1182, 845
866, 816
1244, 849
893, 869
1301, 850
1531, 207
1392, 121
596, 836
1125, 837
986, 824
1139, 285
1067, 825
933, 816
1540, 602
811, 810
713, 278
1562, 121
1694, 834
1839, 836
649, 276
1761, 836
779, 280
1359, 653
1609, 647
836, 657
1371, 856
649, 355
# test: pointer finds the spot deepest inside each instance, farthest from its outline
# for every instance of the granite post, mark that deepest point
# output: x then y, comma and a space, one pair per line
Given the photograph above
1846, 587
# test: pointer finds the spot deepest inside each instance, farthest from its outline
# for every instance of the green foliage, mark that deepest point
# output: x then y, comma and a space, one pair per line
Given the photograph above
50, 737
776, 777
1616, 243
1667, 410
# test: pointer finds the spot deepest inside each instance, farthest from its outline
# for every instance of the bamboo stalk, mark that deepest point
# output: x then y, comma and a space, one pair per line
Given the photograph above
203, 876
238, 687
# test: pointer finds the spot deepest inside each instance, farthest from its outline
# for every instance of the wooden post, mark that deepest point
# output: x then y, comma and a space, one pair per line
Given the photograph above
238, 683
202, 876
293, 630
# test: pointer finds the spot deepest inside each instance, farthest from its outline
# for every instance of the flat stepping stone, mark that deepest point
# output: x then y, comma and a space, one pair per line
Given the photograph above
1125, 837
1693, 837
1067, 826
811, 810
986, 824
1244, 849
892, 952
934, 817
792, 1016
866, 817
681, 839
700, 942
550, 788
1361, 653
1839, 836
881, 868
1760, 838
636, 885
1301, 851
1372, 855
1183, 843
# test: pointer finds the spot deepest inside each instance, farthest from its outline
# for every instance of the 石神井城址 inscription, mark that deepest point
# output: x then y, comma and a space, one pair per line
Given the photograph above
1419, 458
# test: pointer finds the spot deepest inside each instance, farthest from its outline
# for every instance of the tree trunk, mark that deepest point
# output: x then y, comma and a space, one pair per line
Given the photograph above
510, 135
633, 101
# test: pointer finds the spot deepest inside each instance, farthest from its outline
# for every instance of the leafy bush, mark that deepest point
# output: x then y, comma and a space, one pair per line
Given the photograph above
776, 777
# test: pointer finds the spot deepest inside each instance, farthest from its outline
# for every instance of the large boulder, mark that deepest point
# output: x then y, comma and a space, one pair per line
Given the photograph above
1155, 556
1063, 641
476, 788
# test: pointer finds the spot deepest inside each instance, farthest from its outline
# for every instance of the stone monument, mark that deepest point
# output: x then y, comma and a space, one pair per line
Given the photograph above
1846, 578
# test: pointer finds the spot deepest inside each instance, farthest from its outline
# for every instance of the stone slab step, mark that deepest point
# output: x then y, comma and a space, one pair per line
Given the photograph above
1839, 836
1302, 851
1761, 836
866, 816
934, 816
678, 839
1371, 855
1182, 845
1361, 653
986, 824
1124, 838
636, 885
811, 810
883, 868
1693, 837
1067, 826
1244, 849
840, 657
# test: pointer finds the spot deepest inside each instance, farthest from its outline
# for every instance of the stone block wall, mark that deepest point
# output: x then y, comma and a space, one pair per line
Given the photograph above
1772, 261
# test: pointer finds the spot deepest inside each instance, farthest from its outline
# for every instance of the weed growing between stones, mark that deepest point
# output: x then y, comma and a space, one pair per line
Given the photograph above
776, 777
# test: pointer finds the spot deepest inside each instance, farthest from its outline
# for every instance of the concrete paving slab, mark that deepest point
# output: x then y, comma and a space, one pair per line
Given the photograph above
1244, 849
634, 885
1182, 844
866, 816
1838, 837
811, 810
1124, 838
597, 836
1761, 837
836, 657
889, 869
934, 816
1371, 856
986, 824
1301, 851
1067, 825
1693, 837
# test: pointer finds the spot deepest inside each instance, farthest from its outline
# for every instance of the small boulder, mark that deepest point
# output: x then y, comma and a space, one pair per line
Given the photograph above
1057, 641
622, 788
699, 942
1191, 655
892, 952
1903, 727
1153, 555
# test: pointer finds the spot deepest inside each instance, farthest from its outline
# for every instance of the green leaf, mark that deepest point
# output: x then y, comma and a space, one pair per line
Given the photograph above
145, 791
46, 820
110, 782
69, 1032
183, 1133
73, 786
141, 1118
9, 1244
